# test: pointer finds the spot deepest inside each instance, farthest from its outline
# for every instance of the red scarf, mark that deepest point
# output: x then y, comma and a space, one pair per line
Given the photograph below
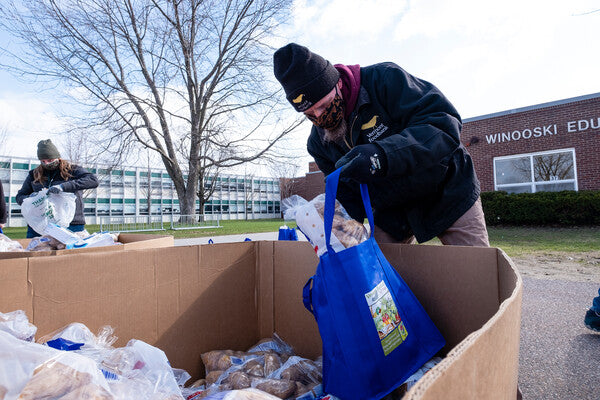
350, 75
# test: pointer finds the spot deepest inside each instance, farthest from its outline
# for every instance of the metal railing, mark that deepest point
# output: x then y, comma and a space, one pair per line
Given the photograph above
138, 223
193, 221
143, 223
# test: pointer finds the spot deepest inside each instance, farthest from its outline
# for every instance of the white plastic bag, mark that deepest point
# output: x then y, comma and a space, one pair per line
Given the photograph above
6, 244
32, 371
61, 234
43, 208
17, 324
137, 370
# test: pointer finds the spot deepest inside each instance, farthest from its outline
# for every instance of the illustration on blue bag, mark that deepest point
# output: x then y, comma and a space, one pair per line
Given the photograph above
375, 333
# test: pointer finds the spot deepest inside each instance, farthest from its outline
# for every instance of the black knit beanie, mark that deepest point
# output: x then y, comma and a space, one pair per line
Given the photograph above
305, 76
47, 150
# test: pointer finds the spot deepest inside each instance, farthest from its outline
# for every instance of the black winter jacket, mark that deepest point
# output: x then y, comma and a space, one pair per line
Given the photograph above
430, 181
82, 179
3, 210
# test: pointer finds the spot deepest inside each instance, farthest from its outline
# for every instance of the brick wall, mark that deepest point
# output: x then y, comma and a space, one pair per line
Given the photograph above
310, 185
559, 125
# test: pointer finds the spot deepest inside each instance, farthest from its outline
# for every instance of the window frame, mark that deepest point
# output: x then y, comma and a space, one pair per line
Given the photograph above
532, 183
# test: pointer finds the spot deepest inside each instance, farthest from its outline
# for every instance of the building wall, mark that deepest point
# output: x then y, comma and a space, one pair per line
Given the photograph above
568, 124
126, 192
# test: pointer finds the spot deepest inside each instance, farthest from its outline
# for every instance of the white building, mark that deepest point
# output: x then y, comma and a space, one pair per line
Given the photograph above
127, 191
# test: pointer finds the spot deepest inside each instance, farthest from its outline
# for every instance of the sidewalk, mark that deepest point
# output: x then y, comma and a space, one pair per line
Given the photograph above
233, 238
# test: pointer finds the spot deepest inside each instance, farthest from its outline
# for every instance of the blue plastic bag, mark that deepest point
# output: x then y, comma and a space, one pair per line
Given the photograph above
375, 333
286, 233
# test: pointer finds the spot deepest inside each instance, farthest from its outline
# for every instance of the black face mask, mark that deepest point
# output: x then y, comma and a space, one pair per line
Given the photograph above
332, 116
51, 166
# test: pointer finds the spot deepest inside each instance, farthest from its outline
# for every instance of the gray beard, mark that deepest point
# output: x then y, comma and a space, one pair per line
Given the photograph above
336, 135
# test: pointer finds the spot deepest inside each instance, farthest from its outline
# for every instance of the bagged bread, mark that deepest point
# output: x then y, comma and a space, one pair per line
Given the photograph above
346, 232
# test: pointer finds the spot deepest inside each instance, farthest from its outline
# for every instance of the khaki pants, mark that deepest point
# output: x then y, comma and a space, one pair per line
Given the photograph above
468, 230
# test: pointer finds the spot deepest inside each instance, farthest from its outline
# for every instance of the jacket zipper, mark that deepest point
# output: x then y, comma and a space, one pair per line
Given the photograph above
351, 129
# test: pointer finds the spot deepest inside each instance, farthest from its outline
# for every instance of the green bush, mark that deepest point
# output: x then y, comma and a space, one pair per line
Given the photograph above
566, 208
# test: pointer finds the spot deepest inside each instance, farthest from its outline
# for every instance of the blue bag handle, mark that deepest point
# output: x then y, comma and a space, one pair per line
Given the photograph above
331, 184
307, 295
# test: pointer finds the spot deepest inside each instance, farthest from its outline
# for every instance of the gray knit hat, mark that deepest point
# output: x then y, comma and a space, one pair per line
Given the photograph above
47, 150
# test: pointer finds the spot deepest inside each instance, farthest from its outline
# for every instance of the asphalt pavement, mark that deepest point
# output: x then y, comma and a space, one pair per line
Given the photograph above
559, 357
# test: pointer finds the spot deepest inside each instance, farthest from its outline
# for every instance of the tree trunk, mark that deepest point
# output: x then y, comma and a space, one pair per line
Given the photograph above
188, 206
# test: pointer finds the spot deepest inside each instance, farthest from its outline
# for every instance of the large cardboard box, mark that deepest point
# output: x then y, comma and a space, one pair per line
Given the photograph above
131, 241
189, 300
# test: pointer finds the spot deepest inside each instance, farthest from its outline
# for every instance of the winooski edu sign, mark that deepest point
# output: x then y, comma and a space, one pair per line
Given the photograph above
581, 125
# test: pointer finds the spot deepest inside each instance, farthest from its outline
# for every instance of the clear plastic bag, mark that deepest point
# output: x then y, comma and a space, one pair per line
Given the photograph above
41, 243
61, 234
42, 208
7, 244
299, 369
17, 324
412, 380
79, 333
346, 232
275, 343
32, 371
137, 370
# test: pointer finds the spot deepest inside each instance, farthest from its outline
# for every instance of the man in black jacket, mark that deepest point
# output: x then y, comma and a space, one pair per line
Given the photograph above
3, 211
394, 132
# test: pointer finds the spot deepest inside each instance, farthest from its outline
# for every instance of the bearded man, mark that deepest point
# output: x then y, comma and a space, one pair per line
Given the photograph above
394, 132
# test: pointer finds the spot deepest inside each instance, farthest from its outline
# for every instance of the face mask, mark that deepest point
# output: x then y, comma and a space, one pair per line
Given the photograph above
332, 116
51, 165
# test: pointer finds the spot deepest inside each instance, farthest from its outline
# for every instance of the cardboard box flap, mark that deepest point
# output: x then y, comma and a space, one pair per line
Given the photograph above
134, 241
97, 289
295, 263
265, 287
15, 291
486, 361
215, 291
467, 275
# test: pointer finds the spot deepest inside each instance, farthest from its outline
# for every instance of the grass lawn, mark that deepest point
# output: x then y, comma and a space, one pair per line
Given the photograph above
514, 241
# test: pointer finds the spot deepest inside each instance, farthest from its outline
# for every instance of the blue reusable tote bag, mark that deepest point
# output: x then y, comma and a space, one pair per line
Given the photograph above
375, 333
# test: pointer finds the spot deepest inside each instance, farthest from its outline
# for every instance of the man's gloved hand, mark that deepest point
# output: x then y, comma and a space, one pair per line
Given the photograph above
363, 163
56, 189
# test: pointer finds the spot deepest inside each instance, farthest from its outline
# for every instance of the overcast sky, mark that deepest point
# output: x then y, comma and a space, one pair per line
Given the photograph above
485, 56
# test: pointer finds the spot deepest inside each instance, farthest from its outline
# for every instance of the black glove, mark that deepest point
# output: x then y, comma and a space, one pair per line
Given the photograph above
56, 189
363, 163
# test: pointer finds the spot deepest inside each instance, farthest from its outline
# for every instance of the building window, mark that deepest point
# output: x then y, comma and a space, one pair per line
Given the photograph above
548, 171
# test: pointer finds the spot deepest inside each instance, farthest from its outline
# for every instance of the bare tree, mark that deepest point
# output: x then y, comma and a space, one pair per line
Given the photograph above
249, 193
551, 167
188, 79
207, 186
546, 167
147, 189
4, 139
285, 172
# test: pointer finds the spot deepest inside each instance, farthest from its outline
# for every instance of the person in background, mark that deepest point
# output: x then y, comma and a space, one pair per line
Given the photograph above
592, 316
3, 210
57, 175
394, 132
